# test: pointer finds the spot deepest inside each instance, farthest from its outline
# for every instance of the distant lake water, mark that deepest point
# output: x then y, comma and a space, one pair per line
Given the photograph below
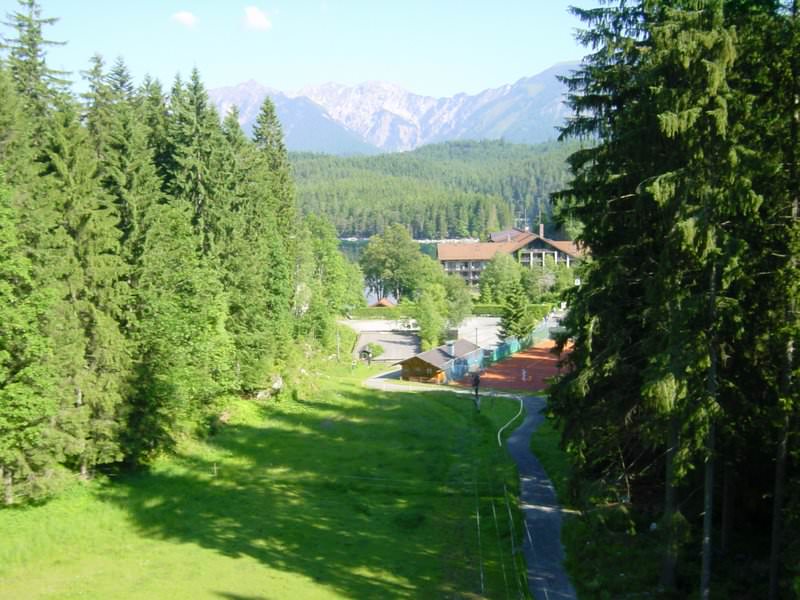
354, 248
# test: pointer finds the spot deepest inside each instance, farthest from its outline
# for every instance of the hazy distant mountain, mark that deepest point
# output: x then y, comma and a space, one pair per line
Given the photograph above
306, 125
378, 116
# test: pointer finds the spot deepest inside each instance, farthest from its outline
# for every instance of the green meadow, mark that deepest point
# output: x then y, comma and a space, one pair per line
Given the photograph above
340, 492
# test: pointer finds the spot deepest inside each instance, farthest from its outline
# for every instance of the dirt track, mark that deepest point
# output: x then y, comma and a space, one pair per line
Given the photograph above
527, 370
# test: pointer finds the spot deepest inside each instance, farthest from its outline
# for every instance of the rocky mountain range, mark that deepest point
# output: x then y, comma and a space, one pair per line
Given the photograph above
377, 117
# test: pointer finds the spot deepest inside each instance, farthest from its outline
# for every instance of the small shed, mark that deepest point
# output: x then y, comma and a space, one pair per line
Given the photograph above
448, 362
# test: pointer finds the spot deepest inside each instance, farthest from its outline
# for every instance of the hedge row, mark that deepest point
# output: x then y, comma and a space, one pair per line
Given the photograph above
496, 310
382, 312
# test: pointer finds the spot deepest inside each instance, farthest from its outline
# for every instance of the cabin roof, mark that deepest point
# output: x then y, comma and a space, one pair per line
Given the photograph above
440, 356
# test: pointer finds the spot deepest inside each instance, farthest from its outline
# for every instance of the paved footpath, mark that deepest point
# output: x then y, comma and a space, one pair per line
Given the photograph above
542, 547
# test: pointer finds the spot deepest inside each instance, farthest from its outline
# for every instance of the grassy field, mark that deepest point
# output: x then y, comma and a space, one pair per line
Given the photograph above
344, 493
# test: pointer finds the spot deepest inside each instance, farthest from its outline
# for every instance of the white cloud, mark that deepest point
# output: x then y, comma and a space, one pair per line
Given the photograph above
185, 18
256, 19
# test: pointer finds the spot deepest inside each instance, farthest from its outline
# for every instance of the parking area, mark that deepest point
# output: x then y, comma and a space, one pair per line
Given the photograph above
397, 345
483, 331
399, 338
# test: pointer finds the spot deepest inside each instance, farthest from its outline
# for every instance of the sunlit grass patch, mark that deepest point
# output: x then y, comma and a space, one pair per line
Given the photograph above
340, 492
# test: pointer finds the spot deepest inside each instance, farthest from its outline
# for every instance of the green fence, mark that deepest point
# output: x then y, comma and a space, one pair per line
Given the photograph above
513, 345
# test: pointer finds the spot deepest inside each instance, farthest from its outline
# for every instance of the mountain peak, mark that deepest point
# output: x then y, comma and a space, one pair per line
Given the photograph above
385, 116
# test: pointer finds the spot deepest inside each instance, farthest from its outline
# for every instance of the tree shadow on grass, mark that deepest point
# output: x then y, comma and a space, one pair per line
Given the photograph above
355, 497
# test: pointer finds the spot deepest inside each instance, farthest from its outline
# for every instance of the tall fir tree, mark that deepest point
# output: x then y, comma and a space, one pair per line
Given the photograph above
28, 452
93, 361
196, 141
268, 138
246, 230
186, 353
672, 206
37, 84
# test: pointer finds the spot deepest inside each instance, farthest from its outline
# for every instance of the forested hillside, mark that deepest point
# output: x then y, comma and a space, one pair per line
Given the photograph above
680, 404
151, 261
456, 189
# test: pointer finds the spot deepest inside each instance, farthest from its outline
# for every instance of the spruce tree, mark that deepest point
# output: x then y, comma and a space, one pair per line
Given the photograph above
196, 141
152, 106
37, 84
245, 226
93, 360
672, 205
268, 138
186, 354
516, 319
27, 404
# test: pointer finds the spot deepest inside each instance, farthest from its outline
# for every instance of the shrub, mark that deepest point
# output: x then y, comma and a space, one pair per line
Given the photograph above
397, 312
375, 349
487, 310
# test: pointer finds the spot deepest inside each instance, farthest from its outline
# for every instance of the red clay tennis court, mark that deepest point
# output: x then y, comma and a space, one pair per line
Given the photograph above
525, 370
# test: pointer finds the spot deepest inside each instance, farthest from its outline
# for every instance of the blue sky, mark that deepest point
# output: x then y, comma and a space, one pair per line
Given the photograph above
437, 48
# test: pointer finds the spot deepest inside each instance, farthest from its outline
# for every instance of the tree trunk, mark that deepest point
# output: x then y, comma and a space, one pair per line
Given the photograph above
84, 470
8, 487
711, 399
728, 498
671, 550
708, 505
777, 512
788, 358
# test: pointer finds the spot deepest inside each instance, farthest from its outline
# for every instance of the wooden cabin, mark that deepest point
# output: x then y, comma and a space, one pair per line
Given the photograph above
446, 363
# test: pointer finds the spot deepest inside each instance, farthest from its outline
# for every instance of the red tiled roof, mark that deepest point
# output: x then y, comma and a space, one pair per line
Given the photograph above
481, 250
566, 247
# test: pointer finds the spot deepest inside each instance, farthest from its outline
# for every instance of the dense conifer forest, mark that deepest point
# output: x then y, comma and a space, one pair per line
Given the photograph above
681, 400
155, 261
151, 262
450, 190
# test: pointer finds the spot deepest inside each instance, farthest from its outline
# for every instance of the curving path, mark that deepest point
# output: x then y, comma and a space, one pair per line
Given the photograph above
542, 547
544, 554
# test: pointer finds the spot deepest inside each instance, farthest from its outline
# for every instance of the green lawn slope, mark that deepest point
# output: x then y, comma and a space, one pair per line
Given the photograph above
344, 493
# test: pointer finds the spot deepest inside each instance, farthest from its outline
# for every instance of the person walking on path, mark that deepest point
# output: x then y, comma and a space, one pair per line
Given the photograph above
476, 382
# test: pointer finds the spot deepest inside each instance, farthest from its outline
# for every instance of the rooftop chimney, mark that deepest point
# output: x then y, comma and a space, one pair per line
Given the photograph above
451, 348
541, 230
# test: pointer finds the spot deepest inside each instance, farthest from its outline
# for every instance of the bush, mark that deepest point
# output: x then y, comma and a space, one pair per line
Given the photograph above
375, 349
487, 310
538, 312
397, 312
